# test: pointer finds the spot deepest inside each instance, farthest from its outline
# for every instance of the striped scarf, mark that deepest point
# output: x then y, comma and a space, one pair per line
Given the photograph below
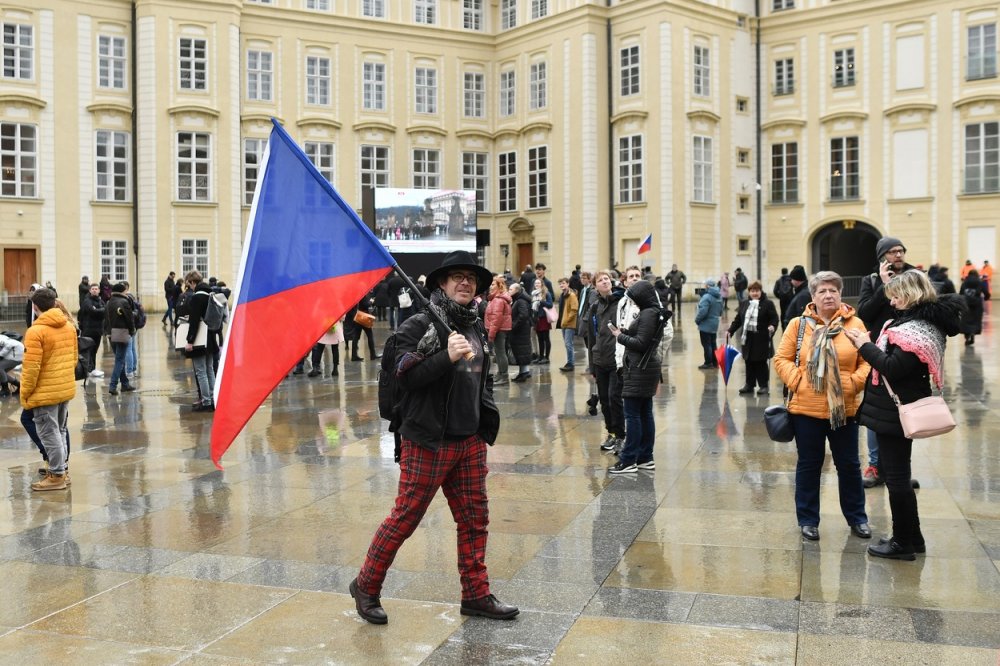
823, 369
750, 319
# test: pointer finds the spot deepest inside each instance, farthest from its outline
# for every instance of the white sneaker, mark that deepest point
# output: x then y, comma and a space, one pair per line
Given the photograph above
97, 373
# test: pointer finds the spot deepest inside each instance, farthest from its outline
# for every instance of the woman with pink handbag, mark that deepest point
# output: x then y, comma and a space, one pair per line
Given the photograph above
906, 366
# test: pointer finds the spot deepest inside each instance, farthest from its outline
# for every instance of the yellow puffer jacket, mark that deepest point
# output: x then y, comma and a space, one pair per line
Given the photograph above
853, 369
50, 353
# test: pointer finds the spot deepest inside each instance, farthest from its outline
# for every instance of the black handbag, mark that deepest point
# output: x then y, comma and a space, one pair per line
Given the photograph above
777, 420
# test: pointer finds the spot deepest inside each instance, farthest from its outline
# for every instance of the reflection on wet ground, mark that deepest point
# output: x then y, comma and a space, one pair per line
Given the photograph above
153, 556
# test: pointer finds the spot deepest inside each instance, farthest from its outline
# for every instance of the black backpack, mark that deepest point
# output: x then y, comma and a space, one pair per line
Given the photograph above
83, 365
784, 289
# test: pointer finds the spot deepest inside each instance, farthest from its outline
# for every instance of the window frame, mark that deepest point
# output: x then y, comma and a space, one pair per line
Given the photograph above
114, 259
250, 183
472, 15
507, 181
781, 5
476, 176
426, 168
19, 55
844, 67
112, 69
629, 62
539, 9
986, 58
508, 14
786, 173
702, 170
373, 176
318, 85
260, 79
323, 155
190, 66
984, 183
194, 161
702, 73
318, 5
425, 89
849, 169
474, 97
197, 259
111, 161
373, 87
784, 76
425, 12
23, 188
508, 93
373, 9
538, 177
630, 169
538, 98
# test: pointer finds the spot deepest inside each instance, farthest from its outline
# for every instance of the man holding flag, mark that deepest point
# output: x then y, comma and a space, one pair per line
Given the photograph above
448, 417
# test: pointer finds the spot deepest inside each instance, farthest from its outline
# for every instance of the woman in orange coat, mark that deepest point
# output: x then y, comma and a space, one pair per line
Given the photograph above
825, 382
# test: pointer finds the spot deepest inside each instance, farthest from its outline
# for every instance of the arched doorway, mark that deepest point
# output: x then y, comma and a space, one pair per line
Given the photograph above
522, 235
845, 246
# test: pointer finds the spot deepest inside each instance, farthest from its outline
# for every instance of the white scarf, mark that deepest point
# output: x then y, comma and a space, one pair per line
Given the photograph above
750, 319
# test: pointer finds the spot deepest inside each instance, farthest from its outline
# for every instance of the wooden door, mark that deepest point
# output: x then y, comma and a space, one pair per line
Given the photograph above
525, 256
19, 270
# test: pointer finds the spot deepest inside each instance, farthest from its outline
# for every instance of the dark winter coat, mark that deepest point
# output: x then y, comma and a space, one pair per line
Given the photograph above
198, 304
873, 306
740, 281
395, 285
973, 292
909, 376
641, 365
382, 294
92, 317
84, 289
758, 346
427, 385
605, 310
798, 304
519, 339
118, 314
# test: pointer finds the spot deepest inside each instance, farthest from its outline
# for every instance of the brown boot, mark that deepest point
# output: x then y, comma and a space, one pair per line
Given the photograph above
50, 482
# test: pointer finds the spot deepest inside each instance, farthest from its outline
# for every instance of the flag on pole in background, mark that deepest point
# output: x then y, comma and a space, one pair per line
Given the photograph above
307, 259
646, 245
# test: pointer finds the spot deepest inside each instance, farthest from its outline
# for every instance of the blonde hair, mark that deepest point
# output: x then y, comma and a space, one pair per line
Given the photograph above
69, 316
910, 288
499, 284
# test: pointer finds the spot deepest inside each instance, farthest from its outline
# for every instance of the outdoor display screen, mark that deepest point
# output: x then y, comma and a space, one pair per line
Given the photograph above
425, 221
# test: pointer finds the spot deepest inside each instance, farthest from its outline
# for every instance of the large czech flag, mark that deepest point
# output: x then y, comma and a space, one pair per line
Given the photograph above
307, 259
646, 245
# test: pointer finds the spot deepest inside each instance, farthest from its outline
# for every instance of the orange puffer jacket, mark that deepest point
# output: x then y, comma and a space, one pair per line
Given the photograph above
853, 369
50, 354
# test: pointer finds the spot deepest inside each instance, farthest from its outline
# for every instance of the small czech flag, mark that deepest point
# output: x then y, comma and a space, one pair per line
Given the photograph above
646, 245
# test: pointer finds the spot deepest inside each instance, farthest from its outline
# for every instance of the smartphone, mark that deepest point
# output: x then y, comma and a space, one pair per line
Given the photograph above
612, 326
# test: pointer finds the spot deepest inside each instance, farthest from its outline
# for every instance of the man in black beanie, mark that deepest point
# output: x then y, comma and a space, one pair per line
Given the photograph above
800, 295
874, 310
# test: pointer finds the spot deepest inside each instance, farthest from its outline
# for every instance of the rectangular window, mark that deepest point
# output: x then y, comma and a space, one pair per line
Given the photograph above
629, 58
508, 14
742, 105
253, 153
318, 5
474, 95
630, 169
507, 178
318, 81
18, 51
193, 64
507, 93
374, 166
743, 157
373, 84
982, 56
702, 71
426, 169
425, 80
373, 8
743, 203
843, 68
538, 177
778, 5
114, 259
539, 9
539, 86
111, 62
259, 76
784, 76
475, 176
112, 165
472, 14
194, 162
425, 11
320, 153
785, 173
194, 255
18, 160
909, 63
703, 189
845, 178
982, 158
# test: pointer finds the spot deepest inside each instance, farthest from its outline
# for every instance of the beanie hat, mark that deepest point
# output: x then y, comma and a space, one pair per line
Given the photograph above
709, 283
798, 273
886, 244
118, 287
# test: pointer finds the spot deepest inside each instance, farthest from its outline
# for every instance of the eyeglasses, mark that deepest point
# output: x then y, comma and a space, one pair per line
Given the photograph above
897, 250
463, 277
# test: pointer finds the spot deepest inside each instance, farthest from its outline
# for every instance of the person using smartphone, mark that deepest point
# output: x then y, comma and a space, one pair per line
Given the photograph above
874, 310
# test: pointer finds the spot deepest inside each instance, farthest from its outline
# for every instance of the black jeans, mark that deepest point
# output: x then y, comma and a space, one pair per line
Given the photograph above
609, 391
757, 371
894, 458
708, 346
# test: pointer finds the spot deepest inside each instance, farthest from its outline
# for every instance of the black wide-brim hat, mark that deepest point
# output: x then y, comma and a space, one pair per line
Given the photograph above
460, 259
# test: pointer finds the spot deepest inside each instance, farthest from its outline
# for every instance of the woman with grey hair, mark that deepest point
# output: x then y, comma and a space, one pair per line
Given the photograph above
825, 375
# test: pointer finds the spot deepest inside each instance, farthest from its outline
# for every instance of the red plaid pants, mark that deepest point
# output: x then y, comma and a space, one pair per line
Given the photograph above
457, 468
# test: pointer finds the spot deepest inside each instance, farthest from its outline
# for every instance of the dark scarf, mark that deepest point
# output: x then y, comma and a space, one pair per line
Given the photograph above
457, 316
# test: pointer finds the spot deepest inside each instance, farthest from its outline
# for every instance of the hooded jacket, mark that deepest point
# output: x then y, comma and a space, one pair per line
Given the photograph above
519, 340
909, 376
50, 355
498, 314
640, 342
853, 368
709, 310
605, 310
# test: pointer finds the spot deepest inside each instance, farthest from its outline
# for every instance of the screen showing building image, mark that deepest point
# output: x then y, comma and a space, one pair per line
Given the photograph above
425, 220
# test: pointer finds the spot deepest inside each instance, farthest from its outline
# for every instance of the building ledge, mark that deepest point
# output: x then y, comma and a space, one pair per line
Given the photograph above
193, 108
260, 118
629, 115
539, 126
784, 204
843, 115
909, 107
316, 120
978, 195
474, 134
909, 200
23, 100
110, 107
373, 125
977, 99
505, 132
844, 202
703, 114
779, 122
426, 129
703, 204
195, 204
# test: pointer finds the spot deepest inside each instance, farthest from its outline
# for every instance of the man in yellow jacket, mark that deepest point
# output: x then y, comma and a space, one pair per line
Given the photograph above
48, 382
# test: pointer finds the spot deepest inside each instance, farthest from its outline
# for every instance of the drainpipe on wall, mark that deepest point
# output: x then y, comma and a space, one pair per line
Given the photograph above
611, 149
760, 184
135, 152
